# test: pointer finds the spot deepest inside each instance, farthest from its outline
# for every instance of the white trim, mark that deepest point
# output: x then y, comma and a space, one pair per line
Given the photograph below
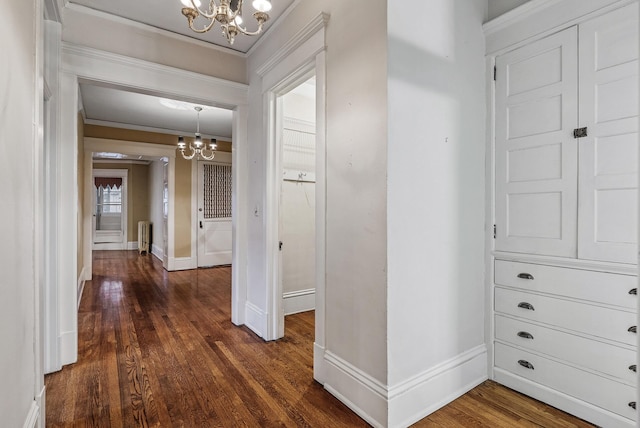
619, 268
255, 319
120, 125
155, 30
515, 15
31, 420
121, 162
316, 24
273, 27
132, 245
41, 400
124, 215
157, 252
421, 395
68, 341
370, 395
319, 364
92, 144
81, 283
295, 302
182, 263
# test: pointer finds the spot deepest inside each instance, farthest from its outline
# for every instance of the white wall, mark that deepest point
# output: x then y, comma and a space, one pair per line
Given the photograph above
155, 207
499, 7
19, 140
356, 132
436, 197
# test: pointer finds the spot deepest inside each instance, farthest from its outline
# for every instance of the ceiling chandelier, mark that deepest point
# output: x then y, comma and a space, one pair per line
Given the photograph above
198, 148
228, 13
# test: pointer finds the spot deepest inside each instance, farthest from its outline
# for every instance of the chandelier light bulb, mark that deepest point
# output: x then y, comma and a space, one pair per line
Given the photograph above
238, 20
262, 5
181, 143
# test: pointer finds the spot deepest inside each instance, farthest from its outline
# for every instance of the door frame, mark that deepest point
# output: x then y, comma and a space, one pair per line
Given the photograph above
220, 158
120, 173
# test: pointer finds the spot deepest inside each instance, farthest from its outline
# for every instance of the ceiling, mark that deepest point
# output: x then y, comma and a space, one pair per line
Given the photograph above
167, 15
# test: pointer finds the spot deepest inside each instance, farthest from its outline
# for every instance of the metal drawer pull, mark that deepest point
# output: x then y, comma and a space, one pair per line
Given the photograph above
633, 329
633, 291
632, 405
525, 276
525, 364
633, 368
525, 335
525, 305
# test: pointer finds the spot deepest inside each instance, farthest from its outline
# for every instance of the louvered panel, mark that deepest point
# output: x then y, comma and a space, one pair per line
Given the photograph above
217, 191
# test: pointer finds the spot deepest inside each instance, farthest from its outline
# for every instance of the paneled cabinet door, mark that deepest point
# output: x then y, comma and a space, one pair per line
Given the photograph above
536, 155
609, 154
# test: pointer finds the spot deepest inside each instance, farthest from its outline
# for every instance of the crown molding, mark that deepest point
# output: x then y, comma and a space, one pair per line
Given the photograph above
273, 26
518, 14
315, 25
150, 28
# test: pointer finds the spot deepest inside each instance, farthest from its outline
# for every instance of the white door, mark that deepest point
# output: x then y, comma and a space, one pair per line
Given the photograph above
214, 214
110, 210
536, 155
608, 184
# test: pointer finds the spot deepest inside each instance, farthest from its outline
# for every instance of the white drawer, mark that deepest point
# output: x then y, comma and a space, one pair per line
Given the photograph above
599, 391
575, 350
589, 319
607, 288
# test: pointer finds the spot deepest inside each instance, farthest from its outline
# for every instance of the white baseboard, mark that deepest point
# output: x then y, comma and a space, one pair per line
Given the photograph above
359, 391
157, 251
299, 301
41, 400
255, 319
421, 395
31, 420
319, 369
68, 345
81, 282
102, 246
182, 263
132, 245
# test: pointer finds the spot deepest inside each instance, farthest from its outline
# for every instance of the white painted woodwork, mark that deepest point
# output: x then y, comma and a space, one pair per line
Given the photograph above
536, 156
583, 352
214, 234
575, 382
608, 184
593, 320
598, 287
112, 234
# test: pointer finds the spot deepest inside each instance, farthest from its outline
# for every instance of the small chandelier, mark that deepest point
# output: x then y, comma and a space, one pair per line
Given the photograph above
228, 13
198, 148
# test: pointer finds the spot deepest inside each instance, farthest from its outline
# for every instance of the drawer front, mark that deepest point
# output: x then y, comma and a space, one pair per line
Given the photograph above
599, 391
579, 351
601, 287
592, 320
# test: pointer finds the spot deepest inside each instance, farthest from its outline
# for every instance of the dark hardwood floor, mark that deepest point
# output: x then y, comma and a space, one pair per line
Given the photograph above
158, 349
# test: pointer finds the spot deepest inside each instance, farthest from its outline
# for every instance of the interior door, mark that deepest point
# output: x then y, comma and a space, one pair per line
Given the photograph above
109, 213
608, 184
536, 155
214, 214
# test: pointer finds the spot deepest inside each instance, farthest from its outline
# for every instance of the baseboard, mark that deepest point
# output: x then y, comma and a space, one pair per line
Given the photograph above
81, 282
41, 400
182, 263
299, 301
359, 391
421, 395
319, 369
68, 346
255, 319
109, 246
132, 245
31, 420
582, 409
157, 251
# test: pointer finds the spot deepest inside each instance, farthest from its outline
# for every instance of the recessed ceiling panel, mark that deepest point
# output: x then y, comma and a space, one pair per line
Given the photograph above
167, 15
123, 109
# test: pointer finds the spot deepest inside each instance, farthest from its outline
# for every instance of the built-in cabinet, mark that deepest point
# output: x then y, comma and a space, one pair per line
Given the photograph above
564, 289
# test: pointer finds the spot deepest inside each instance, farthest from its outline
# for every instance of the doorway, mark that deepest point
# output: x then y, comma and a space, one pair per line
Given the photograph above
109, 209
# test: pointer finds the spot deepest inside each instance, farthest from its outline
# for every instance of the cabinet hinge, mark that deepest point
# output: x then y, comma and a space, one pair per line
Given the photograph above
579, 132
495, 72
494, 231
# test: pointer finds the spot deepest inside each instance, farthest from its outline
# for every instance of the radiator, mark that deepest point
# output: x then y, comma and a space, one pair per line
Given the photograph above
144, 236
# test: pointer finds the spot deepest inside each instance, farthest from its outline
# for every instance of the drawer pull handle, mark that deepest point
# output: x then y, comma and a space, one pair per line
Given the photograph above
525, 305
632, 405
525, 276
633, 291
525, 335
633, 329
525, 364
633, 368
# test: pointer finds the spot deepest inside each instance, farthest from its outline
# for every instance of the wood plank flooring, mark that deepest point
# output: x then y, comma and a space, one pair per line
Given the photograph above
158, 349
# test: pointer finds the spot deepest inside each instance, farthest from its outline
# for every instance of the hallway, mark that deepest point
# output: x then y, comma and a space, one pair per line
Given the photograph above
158, 349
